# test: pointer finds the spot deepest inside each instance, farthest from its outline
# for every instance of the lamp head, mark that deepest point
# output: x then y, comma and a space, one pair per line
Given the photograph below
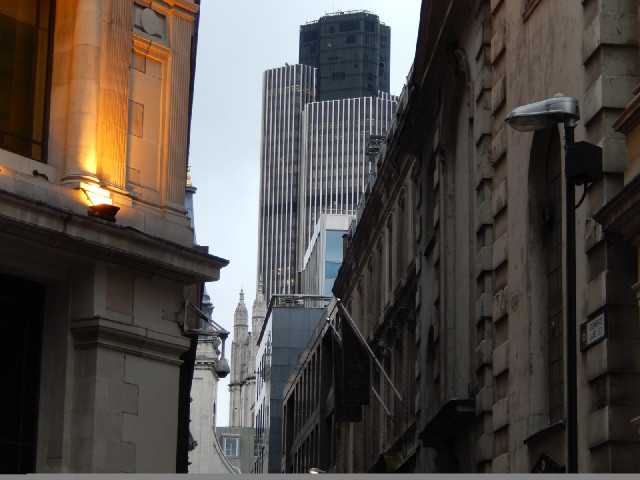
104, 211
543, 114
222, 367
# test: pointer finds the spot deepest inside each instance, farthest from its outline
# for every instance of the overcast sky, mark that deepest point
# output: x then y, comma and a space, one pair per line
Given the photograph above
238, 41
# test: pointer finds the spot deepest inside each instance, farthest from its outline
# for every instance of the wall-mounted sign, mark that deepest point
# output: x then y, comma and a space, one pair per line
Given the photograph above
593, 330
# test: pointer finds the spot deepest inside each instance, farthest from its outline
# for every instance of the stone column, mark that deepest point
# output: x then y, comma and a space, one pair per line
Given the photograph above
84, 91
114, 93
181, 31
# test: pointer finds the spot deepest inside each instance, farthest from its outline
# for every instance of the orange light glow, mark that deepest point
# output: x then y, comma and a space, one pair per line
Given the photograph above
95, 194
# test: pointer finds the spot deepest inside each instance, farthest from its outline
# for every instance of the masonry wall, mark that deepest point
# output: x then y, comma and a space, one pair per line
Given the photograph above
488, 242
116, 97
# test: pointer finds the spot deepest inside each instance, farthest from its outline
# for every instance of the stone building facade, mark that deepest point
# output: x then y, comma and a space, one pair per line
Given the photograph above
207, 455
455, 273
97, 258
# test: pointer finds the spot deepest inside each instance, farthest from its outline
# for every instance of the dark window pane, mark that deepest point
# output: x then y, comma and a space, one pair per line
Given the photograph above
23, 71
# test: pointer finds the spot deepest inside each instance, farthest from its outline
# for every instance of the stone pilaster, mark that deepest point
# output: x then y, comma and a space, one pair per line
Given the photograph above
84, 93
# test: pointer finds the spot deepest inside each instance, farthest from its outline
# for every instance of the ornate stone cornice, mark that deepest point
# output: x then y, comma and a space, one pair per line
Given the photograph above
84, 237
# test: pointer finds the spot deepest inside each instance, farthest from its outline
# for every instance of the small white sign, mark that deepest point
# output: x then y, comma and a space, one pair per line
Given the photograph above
592, 331
595, 329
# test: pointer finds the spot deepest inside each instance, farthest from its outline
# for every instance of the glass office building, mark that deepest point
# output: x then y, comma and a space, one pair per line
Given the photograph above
317, 118
351, 51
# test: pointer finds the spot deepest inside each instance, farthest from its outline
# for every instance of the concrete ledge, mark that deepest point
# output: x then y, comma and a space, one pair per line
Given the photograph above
484, 448
501, 358
484, 400
612, 424
86, 237
500, 464
500, 414
500, 250
104, 333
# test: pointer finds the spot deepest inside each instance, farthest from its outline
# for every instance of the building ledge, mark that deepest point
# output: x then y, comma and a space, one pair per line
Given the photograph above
630, 117
84, 237
132, 339
620, 214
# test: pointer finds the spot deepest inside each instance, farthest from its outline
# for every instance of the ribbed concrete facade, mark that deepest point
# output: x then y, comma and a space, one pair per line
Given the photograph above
334, 166
285, 91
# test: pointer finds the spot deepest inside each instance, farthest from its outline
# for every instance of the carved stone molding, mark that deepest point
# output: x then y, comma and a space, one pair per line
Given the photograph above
100, 332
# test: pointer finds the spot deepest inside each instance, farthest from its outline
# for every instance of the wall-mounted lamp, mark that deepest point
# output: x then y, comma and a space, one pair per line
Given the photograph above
221, 366
100, 203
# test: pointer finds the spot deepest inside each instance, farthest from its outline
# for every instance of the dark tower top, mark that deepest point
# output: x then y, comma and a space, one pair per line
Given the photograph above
351, 51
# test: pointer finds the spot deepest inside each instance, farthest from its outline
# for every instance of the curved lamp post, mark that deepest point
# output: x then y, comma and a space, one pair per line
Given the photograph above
583, 164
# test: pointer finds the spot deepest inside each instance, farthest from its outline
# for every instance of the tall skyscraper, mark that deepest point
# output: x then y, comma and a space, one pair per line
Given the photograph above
315, 126
351, 52
285, 91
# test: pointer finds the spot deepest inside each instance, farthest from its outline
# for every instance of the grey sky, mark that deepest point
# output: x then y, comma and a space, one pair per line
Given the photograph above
238, 41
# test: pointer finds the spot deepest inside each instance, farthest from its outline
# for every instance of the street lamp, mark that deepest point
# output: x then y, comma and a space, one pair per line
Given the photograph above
583, 164
544, 114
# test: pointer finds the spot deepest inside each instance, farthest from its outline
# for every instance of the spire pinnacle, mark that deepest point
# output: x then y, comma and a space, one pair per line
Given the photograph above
241, 315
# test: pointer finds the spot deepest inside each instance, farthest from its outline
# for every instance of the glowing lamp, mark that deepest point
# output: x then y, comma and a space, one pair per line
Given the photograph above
100, 203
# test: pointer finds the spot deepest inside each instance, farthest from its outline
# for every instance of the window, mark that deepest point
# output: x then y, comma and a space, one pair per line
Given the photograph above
333, 258
231, 446
349, 25
24, 51
310, 35
334, 245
